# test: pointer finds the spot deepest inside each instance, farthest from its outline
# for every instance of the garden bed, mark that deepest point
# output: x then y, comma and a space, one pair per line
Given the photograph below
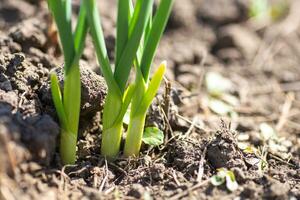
252, 130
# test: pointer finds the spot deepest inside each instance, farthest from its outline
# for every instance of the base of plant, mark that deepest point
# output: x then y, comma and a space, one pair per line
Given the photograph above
134, 135
111, 140
68, 143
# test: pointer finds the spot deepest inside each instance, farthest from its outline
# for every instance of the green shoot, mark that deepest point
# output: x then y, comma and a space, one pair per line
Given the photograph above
136, 43
118, 97
68, 105
145, 89
225, 176
141, 101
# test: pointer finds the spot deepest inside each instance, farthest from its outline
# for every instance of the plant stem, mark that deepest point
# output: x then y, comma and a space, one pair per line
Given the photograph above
134, 135
111, 140
112, 129
71, 102
68, 141
141, 100
72, 97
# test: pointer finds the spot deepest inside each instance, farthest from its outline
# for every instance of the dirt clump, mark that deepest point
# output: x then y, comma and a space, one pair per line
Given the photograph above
223, 152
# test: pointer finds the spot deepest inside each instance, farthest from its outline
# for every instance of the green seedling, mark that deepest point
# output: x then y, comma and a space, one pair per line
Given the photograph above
145, 90
68, 104
136, 41
262, 165
153, 136
225, 176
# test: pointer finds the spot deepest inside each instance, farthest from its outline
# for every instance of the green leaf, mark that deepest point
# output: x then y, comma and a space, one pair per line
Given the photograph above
124, 65
80, 33
153, 136
58, 102
100, 47
61, 13
217, 180
148, 27
126, 101
134, 12
146, 33
123, 20
139, 93
152, 88
153, 37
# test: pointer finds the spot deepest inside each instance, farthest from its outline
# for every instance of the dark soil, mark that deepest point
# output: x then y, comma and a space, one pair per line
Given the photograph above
261, 59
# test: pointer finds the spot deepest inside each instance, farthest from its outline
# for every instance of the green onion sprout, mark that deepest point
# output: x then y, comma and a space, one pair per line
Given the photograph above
68, 105
137, 39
